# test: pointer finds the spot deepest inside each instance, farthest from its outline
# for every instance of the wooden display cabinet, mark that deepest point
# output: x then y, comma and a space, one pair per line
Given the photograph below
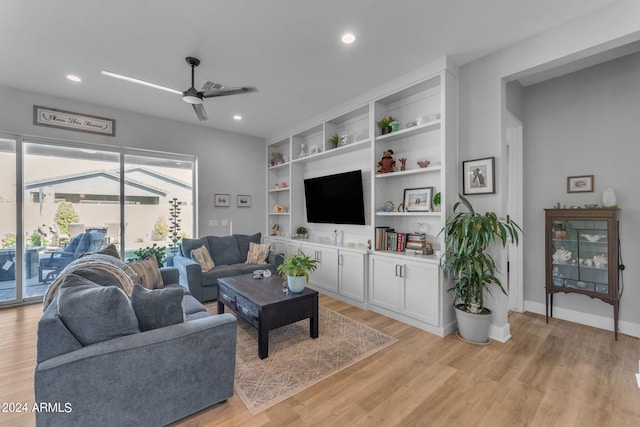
582, 256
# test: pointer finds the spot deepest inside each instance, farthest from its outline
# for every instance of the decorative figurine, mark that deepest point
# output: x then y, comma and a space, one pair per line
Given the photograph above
423, 163
387, 162
403, 163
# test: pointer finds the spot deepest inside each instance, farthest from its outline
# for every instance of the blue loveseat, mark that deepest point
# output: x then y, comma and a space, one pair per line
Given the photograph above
229, 254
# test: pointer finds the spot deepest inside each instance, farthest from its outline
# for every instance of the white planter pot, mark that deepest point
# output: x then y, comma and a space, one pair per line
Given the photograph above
296, 283
474, 327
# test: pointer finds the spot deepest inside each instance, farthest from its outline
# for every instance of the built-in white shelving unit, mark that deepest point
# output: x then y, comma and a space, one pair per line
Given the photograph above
406, 287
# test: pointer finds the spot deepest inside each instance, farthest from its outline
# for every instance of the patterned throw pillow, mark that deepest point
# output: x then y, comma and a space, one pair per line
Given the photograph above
257, 254
148, 273
202, 257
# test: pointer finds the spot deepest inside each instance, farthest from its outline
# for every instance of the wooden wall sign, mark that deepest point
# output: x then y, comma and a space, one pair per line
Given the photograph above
52, 117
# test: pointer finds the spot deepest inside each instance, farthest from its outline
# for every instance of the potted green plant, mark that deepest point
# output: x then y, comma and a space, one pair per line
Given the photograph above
436, 202
154, 250
334, 140
465, 260
297, 268
385, 124
301, 232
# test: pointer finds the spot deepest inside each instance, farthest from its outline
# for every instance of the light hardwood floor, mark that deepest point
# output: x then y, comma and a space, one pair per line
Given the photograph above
560, 374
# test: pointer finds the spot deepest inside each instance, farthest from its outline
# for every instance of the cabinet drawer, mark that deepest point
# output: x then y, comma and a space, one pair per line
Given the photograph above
228, 298
247, 309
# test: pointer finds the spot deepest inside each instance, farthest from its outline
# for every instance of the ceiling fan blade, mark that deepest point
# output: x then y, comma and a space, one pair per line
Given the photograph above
229, 91
200, 112
140, 82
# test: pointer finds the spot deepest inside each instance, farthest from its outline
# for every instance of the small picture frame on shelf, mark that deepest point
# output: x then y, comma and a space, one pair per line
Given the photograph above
580, 184
221, 200
478, 176
243, 201
418, 199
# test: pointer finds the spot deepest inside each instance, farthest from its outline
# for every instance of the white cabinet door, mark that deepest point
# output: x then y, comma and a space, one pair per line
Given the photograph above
326, 275
420, 299
351, 274
384, 282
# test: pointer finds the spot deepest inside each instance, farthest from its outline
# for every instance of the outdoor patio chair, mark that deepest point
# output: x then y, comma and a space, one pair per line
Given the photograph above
75, 229
58, 259
113, 232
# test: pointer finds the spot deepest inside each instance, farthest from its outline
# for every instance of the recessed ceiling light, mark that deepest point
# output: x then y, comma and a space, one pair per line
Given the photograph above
348, 38
74, 78
237, 117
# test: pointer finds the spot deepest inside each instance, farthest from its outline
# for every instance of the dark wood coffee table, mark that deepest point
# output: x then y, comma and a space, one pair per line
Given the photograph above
263, 304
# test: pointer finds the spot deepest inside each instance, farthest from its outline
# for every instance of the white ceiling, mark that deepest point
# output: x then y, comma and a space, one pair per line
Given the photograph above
289, 49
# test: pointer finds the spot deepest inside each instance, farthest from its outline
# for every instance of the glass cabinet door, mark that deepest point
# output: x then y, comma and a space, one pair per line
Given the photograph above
579, 255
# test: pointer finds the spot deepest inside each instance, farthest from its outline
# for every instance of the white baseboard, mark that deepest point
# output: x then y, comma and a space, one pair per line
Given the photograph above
601, 322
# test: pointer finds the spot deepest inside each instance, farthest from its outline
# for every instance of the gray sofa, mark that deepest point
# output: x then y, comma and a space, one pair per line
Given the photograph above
229, 254
149, 378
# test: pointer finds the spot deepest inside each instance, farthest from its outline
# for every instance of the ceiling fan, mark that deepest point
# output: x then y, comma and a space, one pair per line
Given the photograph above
192, 96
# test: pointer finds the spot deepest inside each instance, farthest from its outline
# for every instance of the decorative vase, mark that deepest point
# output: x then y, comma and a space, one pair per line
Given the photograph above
296, 283
395, 125
473, 327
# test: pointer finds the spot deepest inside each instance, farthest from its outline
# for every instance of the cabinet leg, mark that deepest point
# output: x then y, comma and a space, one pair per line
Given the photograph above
616, 306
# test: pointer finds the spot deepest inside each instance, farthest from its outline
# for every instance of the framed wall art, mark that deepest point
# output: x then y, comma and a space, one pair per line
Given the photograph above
418, 199
580, 184
478, 176
221, 200
243, 201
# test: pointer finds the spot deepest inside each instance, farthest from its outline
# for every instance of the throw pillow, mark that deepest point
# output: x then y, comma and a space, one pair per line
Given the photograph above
95, 313
257, 254
187, 245
148, 273
157, 308
243, 243
110, 250
224, 250
202, 257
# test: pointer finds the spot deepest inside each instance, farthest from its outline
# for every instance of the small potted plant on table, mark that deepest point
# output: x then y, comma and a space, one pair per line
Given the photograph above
297, 268
465, 260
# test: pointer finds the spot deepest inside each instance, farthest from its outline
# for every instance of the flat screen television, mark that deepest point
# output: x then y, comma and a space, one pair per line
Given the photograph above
335, 199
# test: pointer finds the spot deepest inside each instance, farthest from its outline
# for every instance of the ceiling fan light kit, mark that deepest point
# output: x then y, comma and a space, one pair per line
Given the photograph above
191, 95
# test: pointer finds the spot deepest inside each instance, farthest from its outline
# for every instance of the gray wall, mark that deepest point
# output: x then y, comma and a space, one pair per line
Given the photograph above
229, 163
584, 123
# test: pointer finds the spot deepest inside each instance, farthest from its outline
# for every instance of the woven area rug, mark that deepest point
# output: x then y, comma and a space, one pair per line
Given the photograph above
297, 361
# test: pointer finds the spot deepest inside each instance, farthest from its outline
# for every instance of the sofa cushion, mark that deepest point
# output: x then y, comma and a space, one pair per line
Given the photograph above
187, 245
210, 278
244, 241
157, 308
95, 313
201, 256
258, 253
192, 305
148, 273
224, 250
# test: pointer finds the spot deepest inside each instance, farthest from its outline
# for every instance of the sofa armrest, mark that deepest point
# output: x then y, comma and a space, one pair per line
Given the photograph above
170, 275
190, 274
124, 381
275, 258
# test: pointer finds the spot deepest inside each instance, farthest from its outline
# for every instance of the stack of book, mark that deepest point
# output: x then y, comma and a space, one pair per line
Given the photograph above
417, 244
387, 239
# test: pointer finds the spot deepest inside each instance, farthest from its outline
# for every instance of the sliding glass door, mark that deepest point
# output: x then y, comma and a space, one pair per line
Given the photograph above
158, 201
8, 223
59, 200
71, 195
